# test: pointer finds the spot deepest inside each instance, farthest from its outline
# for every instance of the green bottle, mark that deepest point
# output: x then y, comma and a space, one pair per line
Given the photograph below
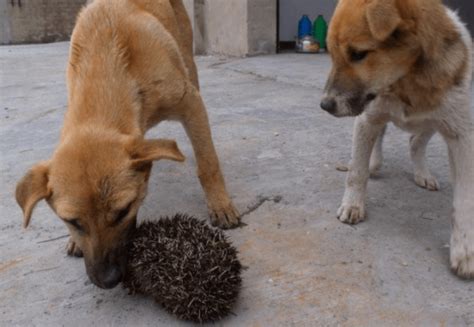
320, 31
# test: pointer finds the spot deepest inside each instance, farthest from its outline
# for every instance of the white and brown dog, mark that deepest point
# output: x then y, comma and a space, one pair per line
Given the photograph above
406, 62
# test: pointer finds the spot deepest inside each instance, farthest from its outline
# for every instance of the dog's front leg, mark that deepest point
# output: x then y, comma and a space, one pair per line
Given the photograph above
461, 155
352, 209
195, 121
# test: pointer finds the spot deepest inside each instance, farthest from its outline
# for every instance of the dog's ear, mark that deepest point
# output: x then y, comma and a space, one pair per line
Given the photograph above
144, 152
383, 18
32, 188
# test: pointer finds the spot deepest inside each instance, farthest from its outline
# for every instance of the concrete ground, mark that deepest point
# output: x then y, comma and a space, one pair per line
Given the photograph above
305, 268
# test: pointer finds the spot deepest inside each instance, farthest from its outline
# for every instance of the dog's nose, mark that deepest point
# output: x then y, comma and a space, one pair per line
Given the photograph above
328, 104
110, 277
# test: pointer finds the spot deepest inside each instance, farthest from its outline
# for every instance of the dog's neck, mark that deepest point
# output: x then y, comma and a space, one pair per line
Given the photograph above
441, 65
425, 87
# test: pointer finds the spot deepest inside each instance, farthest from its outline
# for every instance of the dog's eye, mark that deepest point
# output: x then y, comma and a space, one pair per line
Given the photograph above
76, 224
358, 55
396, 34
123, 213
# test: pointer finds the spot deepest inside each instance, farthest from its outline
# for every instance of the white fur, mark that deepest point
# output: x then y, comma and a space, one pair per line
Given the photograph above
453, 120
418, 144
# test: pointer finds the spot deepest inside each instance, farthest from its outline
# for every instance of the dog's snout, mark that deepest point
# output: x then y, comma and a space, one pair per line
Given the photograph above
110, 276
329, 104
370, 97
108, 272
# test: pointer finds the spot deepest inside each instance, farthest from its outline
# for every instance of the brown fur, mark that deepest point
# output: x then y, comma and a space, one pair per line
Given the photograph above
412, 41
130, 67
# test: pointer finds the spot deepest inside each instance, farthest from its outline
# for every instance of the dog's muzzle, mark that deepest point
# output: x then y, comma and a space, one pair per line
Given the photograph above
109, 277
108, 270
329, 104
350, 106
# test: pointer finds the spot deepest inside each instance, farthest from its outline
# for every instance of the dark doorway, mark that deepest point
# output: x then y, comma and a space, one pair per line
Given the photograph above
466, 11
290, 11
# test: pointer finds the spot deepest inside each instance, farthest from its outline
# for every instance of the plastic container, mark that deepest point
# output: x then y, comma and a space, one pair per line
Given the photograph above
304, 27
320, 31
307, 45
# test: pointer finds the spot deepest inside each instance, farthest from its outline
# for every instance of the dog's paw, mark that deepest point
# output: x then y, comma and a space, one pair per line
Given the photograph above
73, 249
351, 214
462, 256
427, 181
224, 216
462, 264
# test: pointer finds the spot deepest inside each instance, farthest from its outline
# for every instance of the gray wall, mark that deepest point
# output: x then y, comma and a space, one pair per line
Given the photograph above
221, 26
234, 27
30, 21
262, 26
292, 10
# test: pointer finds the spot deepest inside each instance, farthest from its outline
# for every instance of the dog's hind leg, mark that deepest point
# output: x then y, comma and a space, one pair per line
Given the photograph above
173, 16
195, 121
376, 158
185, 39
418, 144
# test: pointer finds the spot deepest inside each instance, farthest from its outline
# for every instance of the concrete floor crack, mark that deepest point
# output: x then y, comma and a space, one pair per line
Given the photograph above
272, 79
260, 201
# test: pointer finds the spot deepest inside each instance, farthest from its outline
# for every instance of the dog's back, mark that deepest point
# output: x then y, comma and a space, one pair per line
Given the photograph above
170, 13
131, 47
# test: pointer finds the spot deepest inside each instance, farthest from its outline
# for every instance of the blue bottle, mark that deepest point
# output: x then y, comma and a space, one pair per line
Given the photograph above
304, 27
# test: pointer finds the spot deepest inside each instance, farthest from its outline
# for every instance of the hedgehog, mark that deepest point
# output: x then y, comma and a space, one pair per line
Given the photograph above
189, 268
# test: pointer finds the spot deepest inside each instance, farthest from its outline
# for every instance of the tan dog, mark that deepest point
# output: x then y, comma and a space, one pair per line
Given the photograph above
408, 62
130, 67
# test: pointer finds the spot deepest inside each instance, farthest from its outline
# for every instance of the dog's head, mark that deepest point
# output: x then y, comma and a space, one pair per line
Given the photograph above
95, 183
372, 44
